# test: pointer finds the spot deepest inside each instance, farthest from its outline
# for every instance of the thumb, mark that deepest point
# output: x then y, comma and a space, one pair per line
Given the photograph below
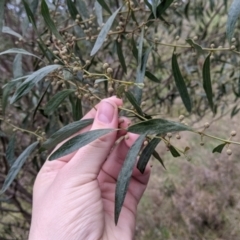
88, 160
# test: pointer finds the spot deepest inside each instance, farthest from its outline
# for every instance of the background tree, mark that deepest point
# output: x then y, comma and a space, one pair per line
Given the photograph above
169, 60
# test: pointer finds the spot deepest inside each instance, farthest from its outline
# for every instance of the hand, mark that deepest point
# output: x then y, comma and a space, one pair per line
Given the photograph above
73, 196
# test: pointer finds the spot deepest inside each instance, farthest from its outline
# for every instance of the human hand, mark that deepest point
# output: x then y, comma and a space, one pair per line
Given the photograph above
73, 196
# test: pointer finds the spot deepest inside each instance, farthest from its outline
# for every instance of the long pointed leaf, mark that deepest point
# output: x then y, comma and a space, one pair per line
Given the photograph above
103, 33
79, 141
180, 83
233, 15
133, 101
2, 3
158, 126
105, 6
33, 79
125, 176
49, 22
56, 100
146, 154
66, 132
72, 9
207, 84
17, 165
120, 56
18, 50
10, 155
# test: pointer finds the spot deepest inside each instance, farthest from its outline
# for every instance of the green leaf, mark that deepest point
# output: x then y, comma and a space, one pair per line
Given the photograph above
157, 156
72, 9
77, 110
79, 141
133, 101
155, 4
39, 102
20, 51
5, 96
146, 154
30, 14
194, 45
17, 66
56, 100
219, 148
33, 79
180, 83
148, 4
120, 56
162, 7
8, 30
125, 176
152, 77
158, 126
10, 151
233, 15
235, 111
174, 152
207, 84
98, 12
2, 3
105, 6
82, 8
66, 132
17, 165
49, 22
134, 49
103, 33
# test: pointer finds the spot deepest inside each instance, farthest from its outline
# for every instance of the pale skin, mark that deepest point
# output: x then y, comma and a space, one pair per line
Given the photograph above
73, 196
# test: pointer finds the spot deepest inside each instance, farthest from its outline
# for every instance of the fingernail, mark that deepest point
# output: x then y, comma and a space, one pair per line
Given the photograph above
105, 112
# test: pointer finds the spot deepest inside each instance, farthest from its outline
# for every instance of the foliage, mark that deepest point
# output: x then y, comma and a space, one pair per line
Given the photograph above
165, 59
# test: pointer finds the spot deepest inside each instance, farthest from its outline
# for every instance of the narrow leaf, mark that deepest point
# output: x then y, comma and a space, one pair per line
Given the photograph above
72, 9
79, 141
133, 101
154, 7
2, 3
17, 66
162, 7
104, 5
174, 152
56, 100
33, 79
77, 109
120, 56
103, 33
146, 154
10, 151
39, 102
158, 126
152, 77
66, 132
82, 8
17, 165
18, 50
30, 14
219, 148
134, 49
180, 83
8, 30
49, 22
98, 12
207, 84
125, 176
157, 156
233, 15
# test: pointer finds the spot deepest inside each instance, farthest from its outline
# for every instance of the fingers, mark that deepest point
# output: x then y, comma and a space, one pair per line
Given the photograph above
59, 163
89, 159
